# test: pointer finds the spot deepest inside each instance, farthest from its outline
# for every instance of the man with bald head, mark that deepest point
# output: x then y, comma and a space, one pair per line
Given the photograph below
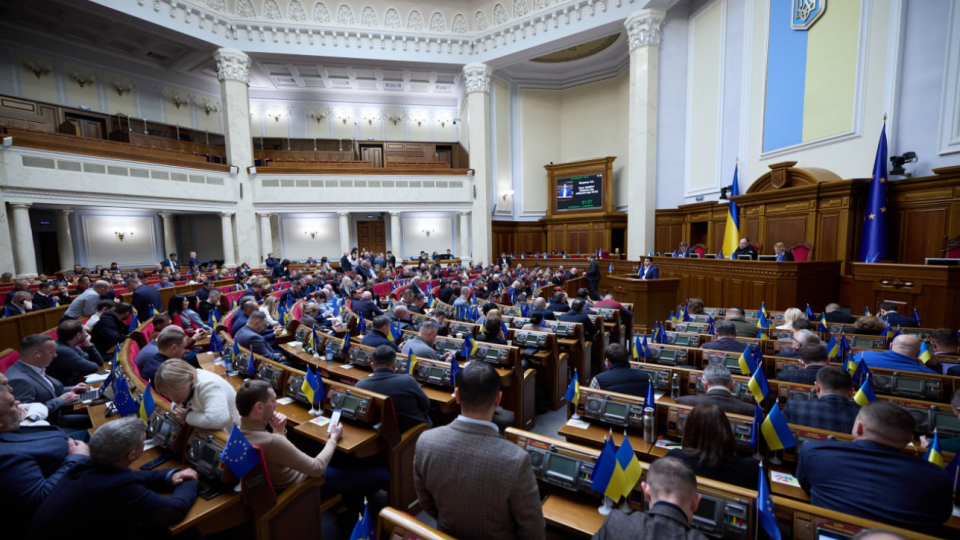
902, 356
917, 494
364, 307
85, 305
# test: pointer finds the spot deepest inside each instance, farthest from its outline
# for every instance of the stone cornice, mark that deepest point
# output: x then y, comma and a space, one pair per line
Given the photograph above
643, 28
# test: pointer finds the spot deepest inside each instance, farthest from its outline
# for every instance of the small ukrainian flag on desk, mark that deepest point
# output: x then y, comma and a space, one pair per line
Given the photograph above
776, 431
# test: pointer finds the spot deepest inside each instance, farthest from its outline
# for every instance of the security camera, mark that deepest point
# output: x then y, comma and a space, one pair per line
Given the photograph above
899, 161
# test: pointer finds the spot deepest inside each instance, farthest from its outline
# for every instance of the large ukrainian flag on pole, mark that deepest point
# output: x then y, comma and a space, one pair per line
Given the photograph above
873, 243
731, 233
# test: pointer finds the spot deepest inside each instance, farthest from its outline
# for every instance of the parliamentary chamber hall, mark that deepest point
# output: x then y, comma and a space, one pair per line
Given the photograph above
641, 215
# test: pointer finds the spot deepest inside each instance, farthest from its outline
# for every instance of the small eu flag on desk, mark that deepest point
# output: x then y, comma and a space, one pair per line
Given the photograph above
239, 454
873, 243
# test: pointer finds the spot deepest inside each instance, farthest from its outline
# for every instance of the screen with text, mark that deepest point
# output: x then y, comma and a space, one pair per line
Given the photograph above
580, 192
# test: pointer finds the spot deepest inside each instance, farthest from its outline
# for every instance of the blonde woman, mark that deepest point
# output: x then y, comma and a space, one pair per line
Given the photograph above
789, 316
200, 398
269, 308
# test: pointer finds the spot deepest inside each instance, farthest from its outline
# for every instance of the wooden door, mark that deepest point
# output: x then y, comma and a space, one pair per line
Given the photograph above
92, 129
371, 236
373, 154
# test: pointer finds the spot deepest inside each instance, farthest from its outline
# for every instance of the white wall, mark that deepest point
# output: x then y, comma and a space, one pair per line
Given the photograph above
298, 246
102, 246
415, 238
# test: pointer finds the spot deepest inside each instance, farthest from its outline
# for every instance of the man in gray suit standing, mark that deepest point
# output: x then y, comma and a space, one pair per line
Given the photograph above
671, 488
473, 481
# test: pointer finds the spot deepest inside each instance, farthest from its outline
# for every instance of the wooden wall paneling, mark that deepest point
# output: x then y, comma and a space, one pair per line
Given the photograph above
921, 234
787, 229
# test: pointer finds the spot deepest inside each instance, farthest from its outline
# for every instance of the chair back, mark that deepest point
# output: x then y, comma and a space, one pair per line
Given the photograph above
700, 250
801, 252
8, 358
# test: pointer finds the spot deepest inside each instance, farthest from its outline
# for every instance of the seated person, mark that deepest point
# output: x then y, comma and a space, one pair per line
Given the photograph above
834, 313
198, 398
802, 333
112, 328
364, 307
849, 477
944, 342
869, 326
558, 303
901, 356
745, 249
536, 322
31, 384
540, 306
782, 253
695, 307
102, 307
378, 335
619, 376
813, 357
735, 315
790, 316
888, 314
239, 320
493, 331
411, 403
249, 337
578, 313
609, 301
32, 461
21, 302
718, 383
834, 410
710, 449
671, 489
76, 355
401, 314
726, 340
44, 297
106, 481
160, 322
422, 344
171, 343
256, 402
210, 306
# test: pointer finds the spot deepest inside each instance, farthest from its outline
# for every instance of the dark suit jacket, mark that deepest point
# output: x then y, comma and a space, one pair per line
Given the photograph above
42, 302
558, 307
28, 387
193, 261
345, 265
547, 314
108, 331
727, 344
365, 308
593, 273
744, 328
787, 256
130, 495
687, 253
270, 262
721, 398
151, 366
374, 339
254, 342
662, 522
505, 263
745, 251
32, 461
807, 375
839, 317
144, 297
589, 329
743, 472
895, 319
410, 402
624, 379
651, 273
72, 363
921, 500
172, 263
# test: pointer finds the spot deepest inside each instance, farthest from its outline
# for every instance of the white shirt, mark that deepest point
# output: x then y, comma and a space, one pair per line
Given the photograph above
43, 375
469, 420
270, 320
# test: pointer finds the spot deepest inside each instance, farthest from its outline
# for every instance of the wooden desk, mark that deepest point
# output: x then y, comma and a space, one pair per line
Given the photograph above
362, 441
652, 299
594, 435
932, 290
576, 514
722, 282
208, 363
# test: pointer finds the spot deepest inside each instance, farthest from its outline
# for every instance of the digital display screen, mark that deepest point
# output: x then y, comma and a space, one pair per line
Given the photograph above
436, 372
493, 354
946, 421
269, 374
562, 466
209, 455
823, 534
580, 192
668, 355
163, 430
863, 342
912, 385
350, 403
731, 362
612, 408
707, 510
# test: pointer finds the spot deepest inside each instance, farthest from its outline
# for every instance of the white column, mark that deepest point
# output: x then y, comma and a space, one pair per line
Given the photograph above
266, 237
464, 252
226, 227
344, 227
477, 78
643, 28
395, 235
233, 72
169, 238
65, 239
23, 254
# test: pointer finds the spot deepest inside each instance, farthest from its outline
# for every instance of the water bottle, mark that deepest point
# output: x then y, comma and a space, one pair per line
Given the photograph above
649, 431
330, 353
675, 386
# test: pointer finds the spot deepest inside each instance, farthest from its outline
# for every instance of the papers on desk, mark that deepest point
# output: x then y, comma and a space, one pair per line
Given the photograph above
94, 378
285, 400
667, 445
579, 424
658, 395
296, 344
320, 421
784, 478
148, 444
346, 366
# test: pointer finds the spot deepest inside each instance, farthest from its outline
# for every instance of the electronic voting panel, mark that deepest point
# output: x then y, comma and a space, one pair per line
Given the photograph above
557, 464
203, 452
294, 388
741, 390
742, 426
659, 376
722, 516
668, 356
460, 329
683, 339
432, 372
908, 385
729, 360
612, 408
360, 356
531, 340
931, 416
562, 329
270, 373
491, 354
165, 430
353, 405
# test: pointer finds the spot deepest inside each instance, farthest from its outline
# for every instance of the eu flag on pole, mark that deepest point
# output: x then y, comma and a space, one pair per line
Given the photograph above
731, 233
365, 529
873, 241
122, 399
768, 519
454, 371
239, 454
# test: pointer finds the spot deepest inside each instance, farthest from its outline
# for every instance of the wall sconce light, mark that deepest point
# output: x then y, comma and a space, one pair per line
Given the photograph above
82, 79
319, 115
344, 116
419, 120
276, 115
370, 116
508, 193
120, 235
122, 88
208, 106
34, 67
427, 232
396, 116
313, 234
177, 98
443, 122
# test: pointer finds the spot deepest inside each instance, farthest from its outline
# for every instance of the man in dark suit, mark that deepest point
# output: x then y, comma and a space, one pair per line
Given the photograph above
718, 383
888, 313
291, 295
106, 481
916, 495
345, 264
726, 340
364, 306
378, 336
578, 314
43, 298
504, 262
249, 337
487, 463
593, 277
648, 270
171, 262
558, 303
744, 328
619, 376
813, 358
18, 285
745, 249
31, 384
540, 306
391, 260
76, 355
143, 299
411, 404
193, 261
834, 410
20, 303
270, 262
684, 251
834, 314
204, 291
671, 489
171, 343
32, 461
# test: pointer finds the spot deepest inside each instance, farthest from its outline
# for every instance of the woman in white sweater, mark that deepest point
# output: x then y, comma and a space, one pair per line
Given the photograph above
200, 398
